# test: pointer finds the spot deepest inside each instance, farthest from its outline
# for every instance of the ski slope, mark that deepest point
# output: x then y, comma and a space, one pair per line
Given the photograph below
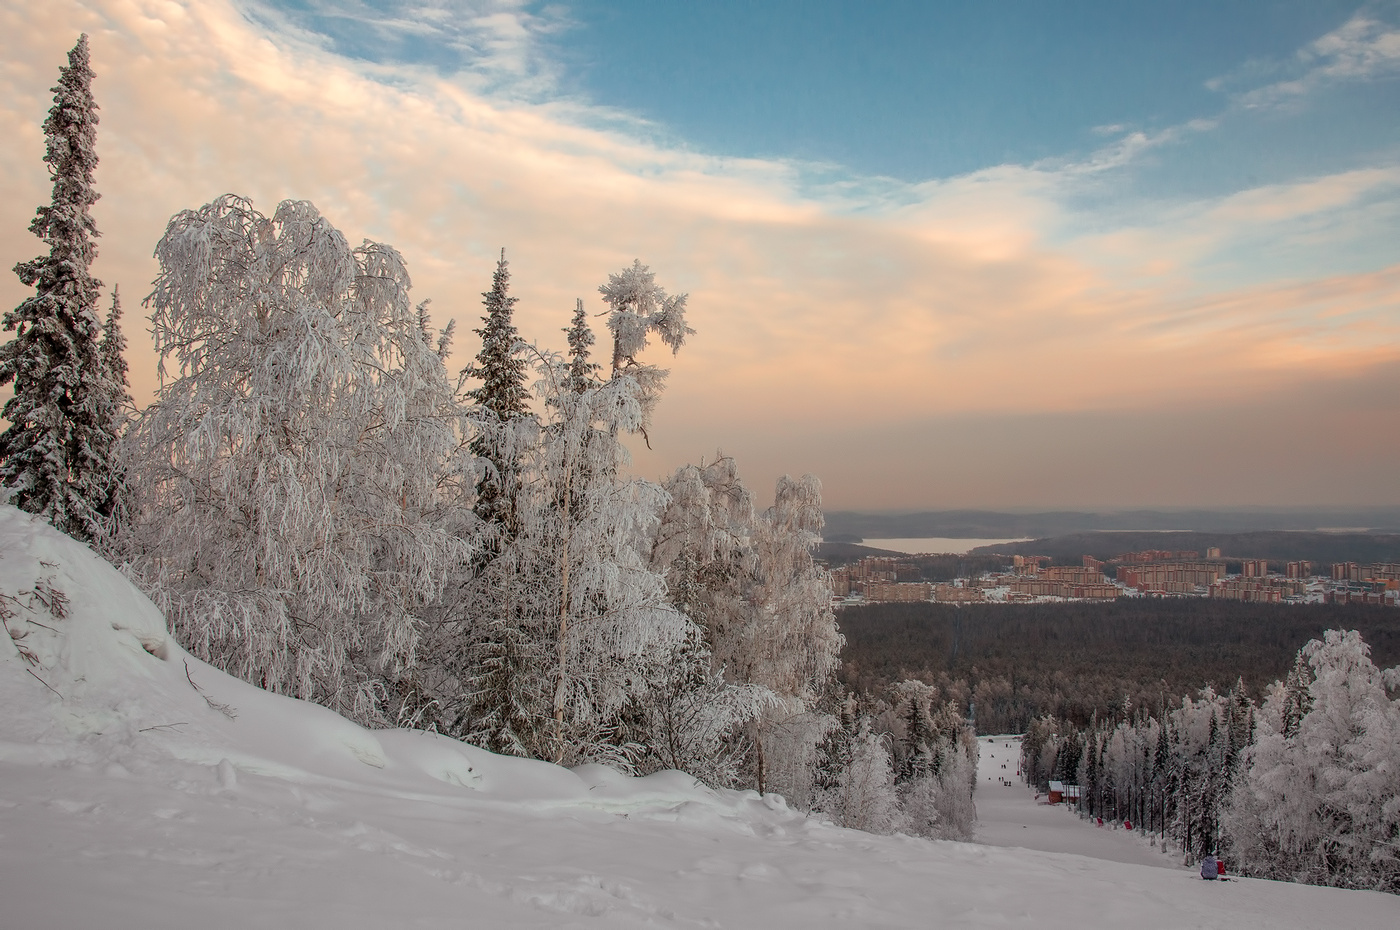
1011, 815
141, 788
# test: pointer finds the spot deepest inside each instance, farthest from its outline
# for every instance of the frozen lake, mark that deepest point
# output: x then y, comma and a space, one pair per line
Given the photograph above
939, 544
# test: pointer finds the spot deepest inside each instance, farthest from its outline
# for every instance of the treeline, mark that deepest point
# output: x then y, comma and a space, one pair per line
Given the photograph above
1010, 664
1301, 787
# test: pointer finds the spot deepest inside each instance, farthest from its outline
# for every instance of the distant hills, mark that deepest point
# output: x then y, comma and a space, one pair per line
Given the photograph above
1277, 546
852, 526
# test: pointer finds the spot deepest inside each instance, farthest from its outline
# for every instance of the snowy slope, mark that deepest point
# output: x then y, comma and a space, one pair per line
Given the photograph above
1014, 815
129, 800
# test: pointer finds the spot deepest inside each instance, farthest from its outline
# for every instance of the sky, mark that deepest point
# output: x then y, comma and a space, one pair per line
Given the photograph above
1091, 255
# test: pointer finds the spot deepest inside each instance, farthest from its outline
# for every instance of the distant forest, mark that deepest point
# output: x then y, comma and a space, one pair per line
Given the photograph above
917, 567
1076, 660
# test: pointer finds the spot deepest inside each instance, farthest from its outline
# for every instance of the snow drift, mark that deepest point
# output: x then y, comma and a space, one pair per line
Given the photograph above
142, 787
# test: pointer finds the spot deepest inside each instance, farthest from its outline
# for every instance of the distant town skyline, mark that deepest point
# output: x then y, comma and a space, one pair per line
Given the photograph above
1090, 255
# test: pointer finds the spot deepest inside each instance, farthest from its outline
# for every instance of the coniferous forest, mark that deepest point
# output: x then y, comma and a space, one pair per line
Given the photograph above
1016, 662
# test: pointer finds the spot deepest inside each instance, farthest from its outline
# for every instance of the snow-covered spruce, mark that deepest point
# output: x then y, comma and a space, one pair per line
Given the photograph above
502, 397
57, 453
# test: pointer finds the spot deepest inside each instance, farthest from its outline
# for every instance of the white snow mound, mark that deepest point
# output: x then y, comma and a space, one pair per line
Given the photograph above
142, 787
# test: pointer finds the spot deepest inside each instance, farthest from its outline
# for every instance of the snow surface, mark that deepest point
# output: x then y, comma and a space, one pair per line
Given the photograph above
1012, 815
128, 798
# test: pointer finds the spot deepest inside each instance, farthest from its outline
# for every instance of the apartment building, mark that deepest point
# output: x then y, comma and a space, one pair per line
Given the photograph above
1085, 590
1180, 577
1257, 590
958, 594
898, 592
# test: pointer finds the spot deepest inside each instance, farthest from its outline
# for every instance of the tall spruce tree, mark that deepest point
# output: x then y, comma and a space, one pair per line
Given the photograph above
115, 410
502, 398
582, 372
57, 454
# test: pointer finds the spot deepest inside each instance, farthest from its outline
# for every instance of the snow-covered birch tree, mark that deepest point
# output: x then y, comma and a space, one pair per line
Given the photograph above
301, 475
57, 453
750, 582
791, 644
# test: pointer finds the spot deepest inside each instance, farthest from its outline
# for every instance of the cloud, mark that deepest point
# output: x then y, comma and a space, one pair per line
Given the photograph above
1364, 48
495, 46
827, 306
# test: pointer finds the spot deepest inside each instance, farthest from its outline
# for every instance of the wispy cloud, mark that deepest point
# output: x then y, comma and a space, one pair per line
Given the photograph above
1364, 48
495, 46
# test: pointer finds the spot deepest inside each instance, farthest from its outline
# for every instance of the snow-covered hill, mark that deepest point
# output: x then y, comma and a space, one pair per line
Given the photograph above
142, 788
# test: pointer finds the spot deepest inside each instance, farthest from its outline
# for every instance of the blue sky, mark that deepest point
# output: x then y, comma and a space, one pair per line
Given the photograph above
919, 90
993, 254
875, 98
925, 90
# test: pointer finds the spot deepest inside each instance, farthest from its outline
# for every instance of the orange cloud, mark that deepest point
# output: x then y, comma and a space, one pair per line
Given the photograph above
816, 312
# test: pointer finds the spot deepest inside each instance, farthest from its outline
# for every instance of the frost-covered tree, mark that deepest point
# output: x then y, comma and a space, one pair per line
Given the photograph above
915, 751
704, 543
502, 398
1039, 752
750, 582
582, 370
834, 753
688, 717
790, 643
298, 481
939, 805
935, 764
1318, 799
571, 643
116, 410
639, 307
112, 350
57, 453
586, 622
867, 798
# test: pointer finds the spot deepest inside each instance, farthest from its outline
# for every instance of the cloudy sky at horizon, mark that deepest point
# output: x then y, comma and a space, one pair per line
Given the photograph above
1013, 254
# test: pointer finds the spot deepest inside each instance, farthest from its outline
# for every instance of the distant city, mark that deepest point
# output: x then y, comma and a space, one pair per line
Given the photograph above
1147, 573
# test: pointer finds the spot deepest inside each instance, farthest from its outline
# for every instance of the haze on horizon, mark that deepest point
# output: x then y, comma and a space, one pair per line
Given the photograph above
1105, 256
